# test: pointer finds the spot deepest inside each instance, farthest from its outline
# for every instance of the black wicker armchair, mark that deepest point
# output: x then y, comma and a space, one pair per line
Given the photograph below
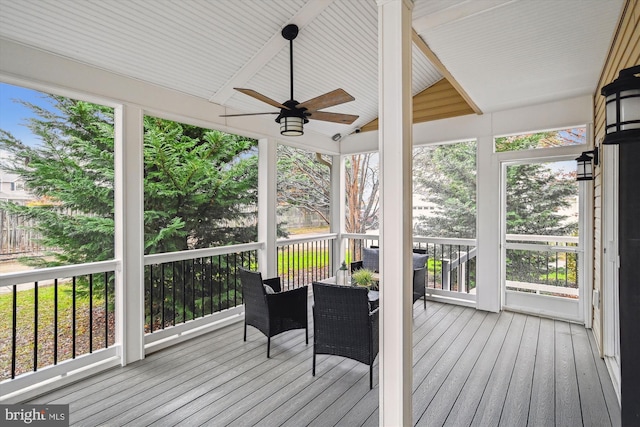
343, 325
272, 313
419, 290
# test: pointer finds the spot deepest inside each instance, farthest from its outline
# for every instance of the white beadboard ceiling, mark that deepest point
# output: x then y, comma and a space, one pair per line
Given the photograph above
504, 53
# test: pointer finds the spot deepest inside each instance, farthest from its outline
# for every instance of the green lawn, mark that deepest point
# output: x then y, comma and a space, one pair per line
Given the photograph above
25, 330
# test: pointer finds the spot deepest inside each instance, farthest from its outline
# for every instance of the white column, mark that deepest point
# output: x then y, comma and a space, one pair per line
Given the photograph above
129, 232
395, 143
488, 235
337, 207
267, 202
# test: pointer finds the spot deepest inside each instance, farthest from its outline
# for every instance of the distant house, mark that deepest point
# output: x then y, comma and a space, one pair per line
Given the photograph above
11, 185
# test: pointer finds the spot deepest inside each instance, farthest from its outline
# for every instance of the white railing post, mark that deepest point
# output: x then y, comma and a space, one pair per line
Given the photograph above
337, 208
462, 270
267, 203
446, 274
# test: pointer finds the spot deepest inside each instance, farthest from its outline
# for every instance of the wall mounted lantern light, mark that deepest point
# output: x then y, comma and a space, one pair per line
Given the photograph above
623, 107
585, 168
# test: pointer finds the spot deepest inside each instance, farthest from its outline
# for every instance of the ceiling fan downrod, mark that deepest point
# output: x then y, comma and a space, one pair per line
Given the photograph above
290, 32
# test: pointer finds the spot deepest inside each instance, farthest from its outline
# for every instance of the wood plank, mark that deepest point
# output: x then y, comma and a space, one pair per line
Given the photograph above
331, 414
610, 397
516, 405
542, 406
205, 402
592, 403
368, 408
468, 367
567, 397
471, 391
437, 373
215, 370
491, 404
336, 378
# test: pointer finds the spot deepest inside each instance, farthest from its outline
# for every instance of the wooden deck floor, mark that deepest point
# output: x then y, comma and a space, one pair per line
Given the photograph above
470, 368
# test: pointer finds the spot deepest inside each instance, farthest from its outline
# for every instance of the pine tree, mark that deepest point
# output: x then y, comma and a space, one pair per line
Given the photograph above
200, 185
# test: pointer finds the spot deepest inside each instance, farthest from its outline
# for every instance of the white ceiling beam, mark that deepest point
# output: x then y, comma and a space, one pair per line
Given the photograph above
304, 16
457, 12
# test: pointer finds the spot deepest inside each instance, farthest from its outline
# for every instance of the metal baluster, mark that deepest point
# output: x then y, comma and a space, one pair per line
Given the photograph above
35, 327
227, 277
173, 290
219, 283
193, 289
106, 309
90, 313
14, 330
73, 316
55, 321
162, 293
184, 291
150, 298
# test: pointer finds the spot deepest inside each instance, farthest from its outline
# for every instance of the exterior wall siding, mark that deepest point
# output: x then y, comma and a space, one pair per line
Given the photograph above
624, 53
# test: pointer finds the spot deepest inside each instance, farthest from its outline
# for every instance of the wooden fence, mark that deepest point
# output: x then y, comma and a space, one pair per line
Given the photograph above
16, 236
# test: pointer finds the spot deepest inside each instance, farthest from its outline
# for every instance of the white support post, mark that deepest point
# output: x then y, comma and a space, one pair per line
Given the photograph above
395, 144
488, 285
267, 202
337, 207
129, 232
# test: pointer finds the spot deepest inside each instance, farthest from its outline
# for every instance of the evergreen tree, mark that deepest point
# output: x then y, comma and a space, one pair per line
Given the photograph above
200, 185
446, 176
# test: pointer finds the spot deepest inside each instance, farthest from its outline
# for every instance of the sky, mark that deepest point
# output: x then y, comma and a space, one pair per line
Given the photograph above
13, 115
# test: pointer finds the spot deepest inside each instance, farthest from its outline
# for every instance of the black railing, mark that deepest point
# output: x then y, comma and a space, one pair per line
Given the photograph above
47, 321
451, 265
304, 260
177, 291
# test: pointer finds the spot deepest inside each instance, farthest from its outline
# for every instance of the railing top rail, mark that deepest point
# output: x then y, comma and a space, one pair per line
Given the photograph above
360, 236
306, 239
200, 253
15, 278
418, 239
455, 241
543, 248
543, 238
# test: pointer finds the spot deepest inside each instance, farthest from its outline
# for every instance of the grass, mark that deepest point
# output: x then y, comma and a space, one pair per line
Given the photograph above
302, 259
26, 339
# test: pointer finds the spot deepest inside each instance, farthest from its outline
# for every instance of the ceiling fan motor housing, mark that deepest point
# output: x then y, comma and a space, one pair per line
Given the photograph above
292, 111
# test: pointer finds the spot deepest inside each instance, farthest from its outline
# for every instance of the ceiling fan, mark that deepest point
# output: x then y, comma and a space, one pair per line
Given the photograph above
293, 115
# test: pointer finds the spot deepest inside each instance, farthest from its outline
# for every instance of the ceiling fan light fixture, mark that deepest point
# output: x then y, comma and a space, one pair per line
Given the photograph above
292, 126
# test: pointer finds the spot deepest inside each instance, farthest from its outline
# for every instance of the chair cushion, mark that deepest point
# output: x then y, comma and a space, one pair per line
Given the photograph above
371, 259
419, 260
268, 289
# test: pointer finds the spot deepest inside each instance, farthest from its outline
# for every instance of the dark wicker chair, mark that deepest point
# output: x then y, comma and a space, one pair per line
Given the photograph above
274, 313
343, 325
419, 290
356, 265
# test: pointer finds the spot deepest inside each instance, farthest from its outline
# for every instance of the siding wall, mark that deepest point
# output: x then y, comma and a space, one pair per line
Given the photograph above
624, 53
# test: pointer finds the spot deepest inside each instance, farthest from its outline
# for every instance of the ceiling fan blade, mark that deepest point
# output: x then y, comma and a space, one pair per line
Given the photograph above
346, 119
329, 99
246, 114
252, 93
